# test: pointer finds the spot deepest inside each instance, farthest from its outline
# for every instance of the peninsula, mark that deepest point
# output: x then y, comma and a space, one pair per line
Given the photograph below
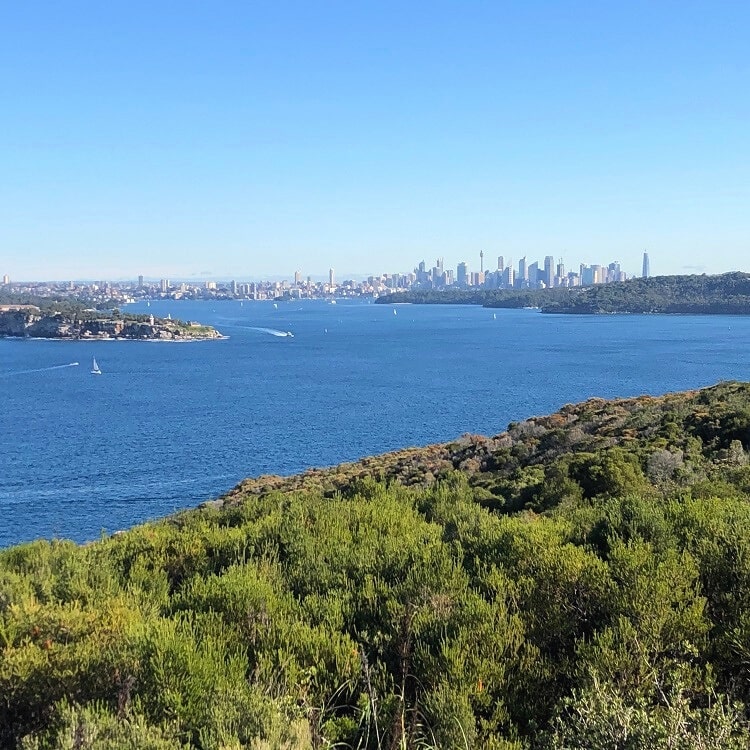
581, 580
28, 321
725, 294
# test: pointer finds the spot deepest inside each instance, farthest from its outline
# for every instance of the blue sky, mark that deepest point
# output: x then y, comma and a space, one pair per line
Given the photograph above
250, 139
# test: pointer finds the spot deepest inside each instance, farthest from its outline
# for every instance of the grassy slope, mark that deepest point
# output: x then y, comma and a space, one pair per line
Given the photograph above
580, 579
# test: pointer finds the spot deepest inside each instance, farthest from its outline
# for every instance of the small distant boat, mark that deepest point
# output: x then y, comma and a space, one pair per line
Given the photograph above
394, 312
333, 301
275, 306
169, 316
95, 370
494, 316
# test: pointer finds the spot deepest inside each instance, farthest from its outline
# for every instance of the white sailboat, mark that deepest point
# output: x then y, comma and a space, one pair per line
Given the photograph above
95, 367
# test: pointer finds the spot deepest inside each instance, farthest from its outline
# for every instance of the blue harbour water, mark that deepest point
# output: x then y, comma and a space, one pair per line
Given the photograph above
169, 425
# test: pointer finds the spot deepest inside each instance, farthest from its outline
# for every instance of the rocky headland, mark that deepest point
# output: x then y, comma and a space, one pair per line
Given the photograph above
29, 322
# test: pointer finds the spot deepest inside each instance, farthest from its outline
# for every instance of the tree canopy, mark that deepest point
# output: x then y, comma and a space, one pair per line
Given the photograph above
581, 580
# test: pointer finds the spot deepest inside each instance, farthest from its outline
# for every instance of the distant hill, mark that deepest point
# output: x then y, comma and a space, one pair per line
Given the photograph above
509, 298
26, 321
581, 580
726, 294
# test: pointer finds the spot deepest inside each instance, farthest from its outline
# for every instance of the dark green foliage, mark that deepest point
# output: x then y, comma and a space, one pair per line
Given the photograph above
581, 581
507, 298
727, 294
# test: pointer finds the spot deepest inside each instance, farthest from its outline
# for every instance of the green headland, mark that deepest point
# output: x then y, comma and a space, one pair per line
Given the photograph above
581, 580
725, 294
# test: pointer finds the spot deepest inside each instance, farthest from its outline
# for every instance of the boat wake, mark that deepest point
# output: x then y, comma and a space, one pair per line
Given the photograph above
259, 329
272, 331
38, 369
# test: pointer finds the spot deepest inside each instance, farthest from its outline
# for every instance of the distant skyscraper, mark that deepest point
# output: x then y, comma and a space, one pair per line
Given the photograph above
646, 268
500, 263
140, 282
549, 270
165, 285
6, 279
532, 272
523, 271
462, 274
481, 261
331, 277
297, 278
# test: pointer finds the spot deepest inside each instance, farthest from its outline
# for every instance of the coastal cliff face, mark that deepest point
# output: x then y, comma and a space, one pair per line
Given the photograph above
21, 323
16, 323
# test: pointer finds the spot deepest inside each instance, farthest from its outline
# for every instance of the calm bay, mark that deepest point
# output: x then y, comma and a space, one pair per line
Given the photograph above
169, 425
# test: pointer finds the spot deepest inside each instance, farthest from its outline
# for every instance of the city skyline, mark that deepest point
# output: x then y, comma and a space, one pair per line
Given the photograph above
552, 267
252, 139
323, 273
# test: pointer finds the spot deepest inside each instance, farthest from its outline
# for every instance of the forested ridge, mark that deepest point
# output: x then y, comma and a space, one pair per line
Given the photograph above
581, 580
726, 294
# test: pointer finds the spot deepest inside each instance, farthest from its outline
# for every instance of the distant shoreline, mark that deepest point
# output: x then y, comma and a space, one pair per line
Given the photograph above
727, 294
25, 323
184, 340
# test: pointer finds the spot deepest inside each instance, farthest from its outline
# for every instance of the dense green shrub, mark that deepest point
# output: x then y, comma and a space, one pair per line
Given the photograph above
577, 589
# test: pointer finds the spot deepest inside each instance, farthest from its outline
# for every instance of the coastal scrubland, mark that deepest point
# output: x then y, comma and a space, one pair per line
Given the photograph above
581, 580
725, 294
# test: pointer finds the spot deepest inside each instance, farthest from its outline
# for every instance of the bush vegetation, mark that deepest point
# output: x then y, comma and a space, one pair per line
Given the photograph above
580, 581
725, 294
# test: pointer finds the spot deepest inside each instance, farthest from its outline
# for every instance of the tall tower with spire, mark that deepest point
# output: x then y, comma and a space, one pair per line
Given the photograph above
481, 261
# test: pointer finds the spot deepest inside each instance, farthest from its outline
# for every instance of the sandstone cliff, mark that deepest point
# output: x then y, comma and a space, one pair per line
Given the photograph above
23, 323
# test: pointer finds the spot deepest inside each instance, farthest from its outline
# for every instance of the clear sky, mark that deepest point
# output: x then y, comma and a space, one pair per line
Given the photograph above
249, 139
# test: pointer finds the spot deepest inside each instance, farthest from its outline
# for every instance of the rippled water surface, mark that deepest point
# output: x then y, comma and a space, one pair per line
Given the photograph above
169, 425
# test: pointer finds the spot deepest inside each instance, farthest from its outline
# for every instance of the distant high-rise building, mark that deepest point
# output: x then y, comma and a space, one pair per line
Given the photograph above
481, 261
500, 263
6, 279
462, 274
532, 272
297, 278
234, 288
646, 268
549, 270
523, 272
331, 277
140, 282
164, 285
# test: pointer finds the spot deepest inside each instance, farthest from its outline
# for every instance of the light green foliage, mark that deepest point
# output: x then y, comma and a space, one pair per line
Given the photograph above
582, 581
